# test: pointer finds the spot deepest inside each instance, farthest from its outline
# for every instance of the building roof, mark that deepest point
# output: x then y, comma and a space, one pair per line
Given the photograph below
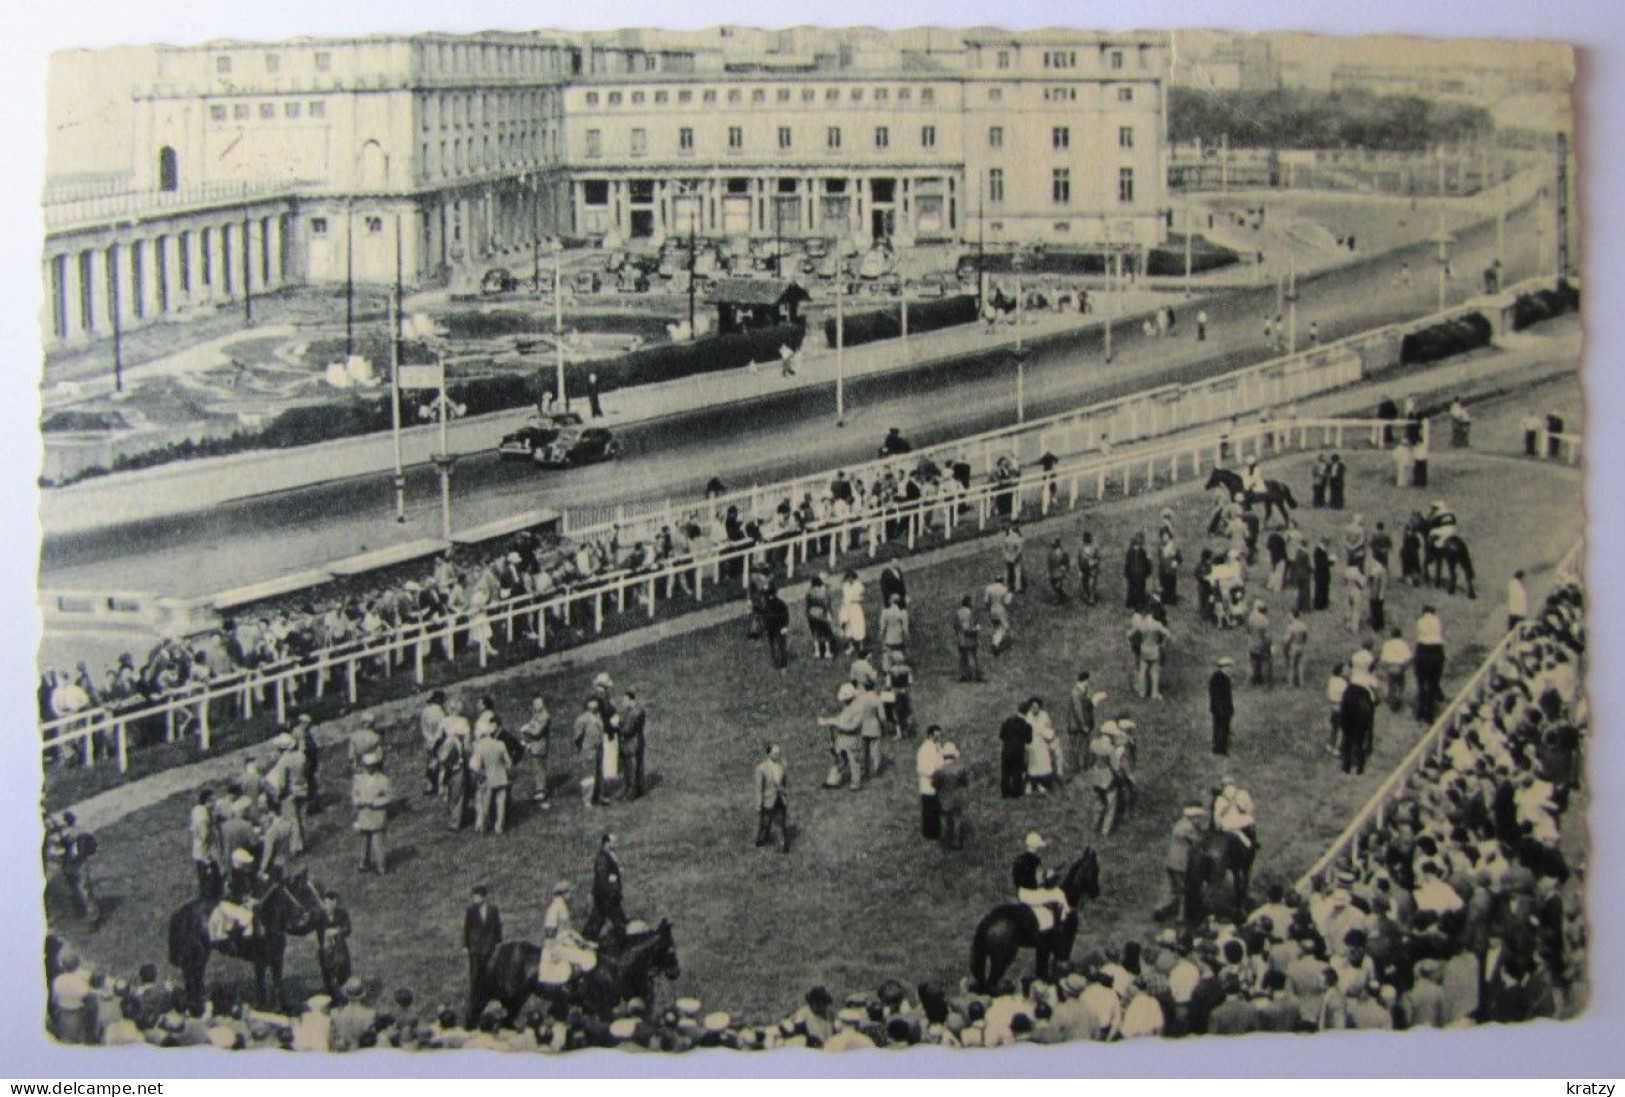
755, 291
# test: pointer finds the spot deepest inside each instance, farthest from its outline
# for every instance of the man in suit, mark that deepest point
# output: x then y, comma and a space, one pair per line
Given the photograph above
1014, 736
489, 764
630, 743
606, 892
482, 933
772, 803
1221, 704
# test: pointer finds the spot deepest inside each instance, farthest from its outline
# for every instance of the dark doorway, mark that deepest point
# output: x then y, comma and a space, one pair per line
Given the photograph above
169, 169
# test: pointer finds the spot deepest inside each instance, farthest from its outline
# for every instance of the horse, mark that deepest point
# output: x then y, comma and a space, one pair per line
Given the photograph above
1453, 554
288, 908
1011, 927
1276, 495
510, 976
1219, 854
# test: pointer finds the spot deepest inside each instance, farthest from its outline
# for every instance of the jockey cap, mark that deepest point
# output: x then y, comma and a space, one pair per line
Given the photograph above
1035, 842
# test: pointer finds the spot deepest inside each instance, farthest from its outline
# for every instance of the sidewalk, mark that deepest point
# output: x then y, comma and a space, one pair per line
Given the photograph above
1429, 386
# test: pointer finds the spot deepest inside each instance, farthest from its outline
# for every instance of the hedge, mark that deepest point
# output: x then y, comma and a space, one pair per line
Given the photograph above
370, 414
479, 324
1532, 308
1440, 341
867, 327
1165, 261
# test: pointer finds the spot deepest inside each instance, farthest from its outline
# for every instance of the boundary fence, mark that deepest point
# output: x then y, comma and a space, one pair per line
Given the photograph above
1351, 842
544, 620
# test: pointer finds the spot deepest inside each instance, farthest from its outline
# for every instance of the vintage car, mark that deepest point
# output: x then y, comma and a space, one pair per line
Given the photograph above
537, 434
498, 280
578, 446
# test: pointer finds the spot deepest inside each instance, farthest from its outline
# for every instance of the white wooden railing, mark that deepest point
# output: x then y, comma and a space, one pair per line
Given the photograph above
97, 734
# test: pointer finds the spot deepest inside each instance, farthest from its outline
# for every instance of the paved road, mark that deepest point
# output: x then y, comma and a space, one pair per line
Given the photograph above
766, 440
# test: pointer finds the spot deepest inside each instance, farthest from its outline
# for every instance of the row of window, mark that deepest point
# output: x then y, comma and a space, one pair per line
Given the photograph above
758, 95
242, 112
476, 110
273, 62
1060, 186
833, 139
1115, 59
1060, 137
444, 57
512, 150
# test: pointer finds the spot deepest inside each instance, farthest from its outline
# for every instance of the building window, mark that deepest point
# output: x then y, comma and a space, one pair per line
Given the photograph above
595, 143
857, 95
1125, 95
709, 95
758, 95
324, 61
1004, 59
240, 111
995, 185
809, 95
222, 65
375, 225
995, 95
1060, 138
904, 94
685, 139
1062, 226
614, 98
1060, 95
832, 137
640, 142
595, 192
273, 63
290, 110
318, 226
882, 137
317, 110
881, 95
1060, 59
928, 137
637, 97
784, 137
218, 112
685, 96
592, 99
1125, 185
735, 95
661, 97
736, 137
1117, 60
1060, 187
1125, 137
832, 95
267, 110
784, 95
995, 137
928, 95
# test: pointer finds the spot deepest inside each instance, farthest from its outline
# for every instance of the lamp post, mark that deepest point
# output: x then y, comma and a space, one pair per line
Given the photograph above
395, 379
1291, 305
840, 342
1020, 352
558, 321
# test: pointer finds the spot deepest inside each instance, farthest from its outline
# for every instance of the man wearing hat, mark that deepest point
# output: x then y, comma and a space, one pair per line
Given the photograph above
364, 740
370, 794
536, 734
304, 730
1181, 840
927, 760
233, 917
951, 782
333, 943
482, 933
606, 892
354, 1017
630, 742
1221, 703
1233, 812
1108, 774
1035, 887
489, 764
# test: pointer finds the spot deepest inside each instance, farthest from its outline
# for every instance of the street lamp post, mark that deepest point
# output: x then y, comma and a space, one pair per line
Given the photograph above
558, 322
1292, 305
1020, 351
395, 379
840, 342
444, 460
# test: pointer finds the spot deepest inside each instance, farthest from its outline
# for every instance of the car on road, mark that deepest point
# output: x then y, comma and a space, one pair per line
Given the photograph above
538, 433
578, 446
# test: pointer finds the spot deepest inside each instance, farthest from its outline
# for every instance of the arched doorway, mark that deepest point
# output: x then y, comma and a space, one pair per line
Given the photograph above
169, 170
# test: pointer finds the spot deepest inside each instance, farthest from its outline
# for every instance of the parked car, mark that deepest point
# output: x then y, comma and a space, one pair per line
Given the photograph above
587, 281
578, 446
498, 280
537, 434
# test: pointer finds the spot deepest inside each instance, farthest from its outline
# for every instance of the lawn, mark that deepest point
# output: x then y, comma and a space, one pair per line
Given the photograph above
862, 897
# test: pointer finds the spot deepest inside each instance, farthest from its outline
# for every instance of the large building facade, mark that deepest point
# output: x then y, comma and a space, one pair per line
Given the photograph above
257, 165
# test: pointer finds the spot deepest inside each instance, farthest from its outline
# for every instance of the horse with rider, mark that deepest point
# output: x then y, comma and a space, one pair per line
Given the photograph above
1275, 495
1044, 918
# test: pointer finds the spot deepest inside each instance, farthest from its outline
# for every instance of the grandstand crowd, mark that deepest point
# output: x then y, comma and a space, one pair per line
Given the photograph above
1462, 905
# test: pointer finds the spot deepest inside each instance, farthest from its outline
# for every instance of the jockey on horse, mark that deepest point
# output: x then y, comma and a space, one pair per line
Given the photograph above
565, 953
233, 918
1233, 812
1441, 524
1037, 888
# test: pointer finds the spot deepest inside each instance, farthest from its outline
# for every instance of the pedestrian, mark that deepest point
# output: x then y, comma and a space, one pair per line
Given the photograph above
482, 933
894, 628
1322, 568
363, 740
787, 360
819, 617
1089, 570
1221, 703
631, 742
1419, 461
1531, 425
1154, 641
1517, 600
1336, 685
1395, 660
1300, 576
1201, 325
776, 624
206, 852
489, 766
607, 895
897, 697
455, 747
1260, 647
304, 730
72, 849
854, 624
1169, 559
1080, 714
431, 730
1137, 572
1041, 750
967, 640
927, 760
1296, 646
1015, 575
1376, 592
1317, 481
536, 734
333, 943
951, 781
1429, 663
1187, 831
846, 747
1359, 716
892, 583
1014, 735
1336, 481
772, 800
371, 793
1060, 571
593, 402
996, 599
589, 744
